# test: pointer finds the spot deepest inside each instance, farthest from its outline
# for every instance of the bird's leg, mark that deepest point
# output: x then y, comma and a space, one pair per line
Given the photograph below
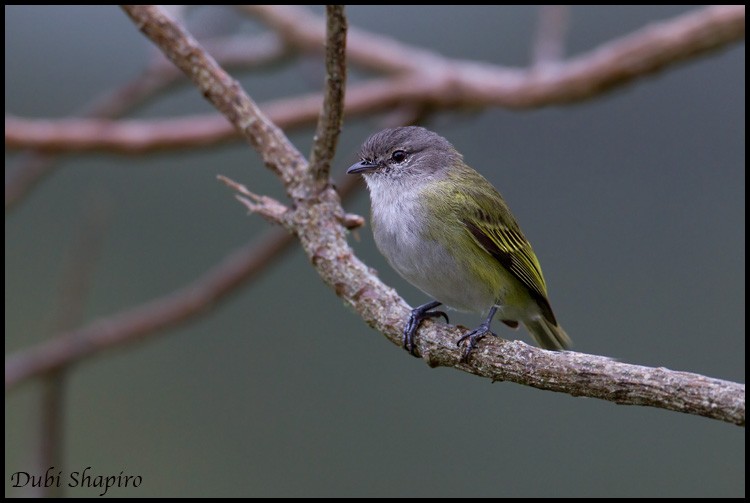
477, 334
417, 315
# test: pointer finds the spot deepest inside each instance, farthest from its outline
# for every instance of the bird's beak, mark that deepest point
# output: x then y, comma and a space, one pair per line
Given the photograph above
361, 167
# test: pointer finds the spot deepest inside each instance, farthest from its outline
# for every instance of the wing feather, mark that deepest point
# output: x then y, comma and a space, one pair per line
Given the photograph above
495, 230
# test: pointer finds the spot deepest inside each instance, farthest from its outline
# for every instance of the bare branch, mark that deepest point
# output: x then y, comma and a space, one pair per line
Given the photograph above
641, 53
153, 318
578, 374
593, 376
143, 321
332, 114
316, 222
225, 93
432, 82
267, 207
241, 52
122, 136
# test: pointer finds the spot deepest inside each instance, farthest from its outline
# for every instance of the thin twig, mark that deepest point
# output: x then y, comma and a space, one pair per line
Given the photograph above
332, 113
267, 207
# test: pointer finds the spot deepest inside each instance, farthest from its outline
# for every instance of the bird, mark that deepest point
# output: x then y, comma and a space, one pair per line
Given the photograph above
446, 230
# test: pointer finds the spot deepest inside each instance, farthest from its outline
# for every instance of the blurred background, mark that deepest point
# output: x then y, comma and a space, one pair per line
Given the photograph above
634, 201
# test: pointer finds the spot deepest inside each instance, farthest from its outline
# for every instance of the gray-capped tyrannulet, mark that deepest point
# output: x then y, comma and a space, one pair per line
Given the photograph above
447, 231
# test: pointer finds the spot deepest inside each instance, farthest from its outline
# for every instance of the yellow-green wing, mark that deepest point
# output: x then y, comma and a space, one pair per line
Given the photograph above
494, 228
512, 249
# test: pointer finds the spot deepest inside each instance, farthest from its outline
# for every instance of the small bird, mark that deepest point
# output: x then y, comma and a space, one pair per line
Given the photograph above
446, 230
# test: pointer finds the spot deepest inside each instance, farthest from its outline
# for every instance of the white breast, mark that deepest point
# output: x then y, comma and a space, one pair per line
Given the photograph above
398, 229
397, 225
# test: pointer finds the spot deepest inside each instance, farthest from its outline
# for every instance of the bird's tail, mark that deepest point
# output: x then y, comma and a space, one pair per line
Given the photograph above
547, 334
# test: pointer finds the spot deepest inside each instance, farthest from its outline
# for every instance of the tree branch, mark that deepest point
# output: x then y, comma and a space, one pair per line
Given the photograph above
267, 207
315, 223
153, 318
143, 321
225, 93
424, 79
332, 114
616, 63
234, 52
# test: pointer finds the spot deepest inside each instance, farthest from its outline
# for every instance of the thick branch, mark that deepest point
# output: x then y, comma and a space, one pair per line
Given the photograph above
641, 53
593, 376
316, 222
323, 238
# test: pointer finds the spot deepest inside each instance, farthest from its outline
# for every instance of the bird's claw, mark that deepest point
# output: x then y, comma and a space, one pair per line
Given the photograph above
474, 336
417, 316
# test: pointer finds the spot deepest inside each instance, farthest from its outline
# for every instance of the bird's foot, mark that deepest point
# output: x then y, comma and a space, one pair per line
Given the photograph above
473, 338
417, 315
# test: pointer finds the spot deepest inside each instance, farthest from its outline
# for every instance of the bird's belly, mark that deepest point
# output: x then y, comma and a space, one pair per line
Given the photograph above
428, 266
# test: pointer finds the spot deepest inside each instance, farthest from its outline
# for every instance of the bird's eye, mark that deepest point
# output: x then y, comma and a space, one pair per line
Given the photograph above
398, 156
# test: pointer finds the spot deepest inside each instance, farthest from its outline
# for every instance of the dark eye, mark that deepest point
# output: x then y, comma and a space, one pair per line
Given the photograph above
398, 156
